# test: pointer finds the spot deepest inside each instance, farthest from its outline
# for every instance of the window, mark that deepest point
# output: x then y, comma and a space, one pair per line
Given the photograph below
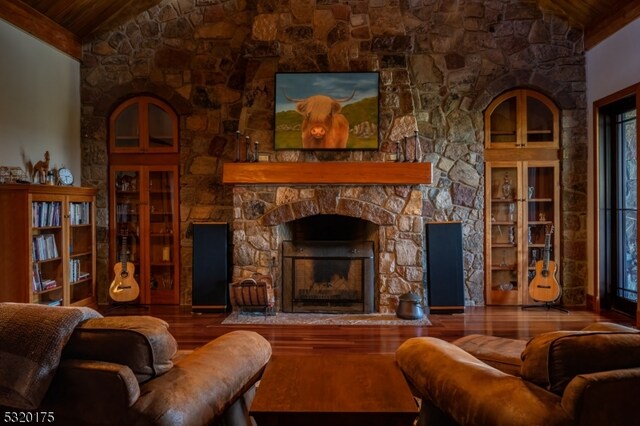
618, 205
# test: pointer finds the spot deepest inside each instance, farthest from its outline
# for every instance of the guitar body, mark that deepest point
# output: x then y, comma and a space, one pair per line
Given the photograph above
124, 287
544, 286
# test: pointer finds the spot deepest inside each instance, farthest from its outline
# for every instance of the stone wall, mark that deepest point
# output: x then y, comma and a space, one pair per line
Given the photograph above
440, 64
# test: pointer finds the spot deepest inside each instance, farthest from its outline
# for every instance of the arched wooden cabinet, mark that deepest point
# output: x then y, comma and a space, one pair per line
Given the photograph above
143, 124
522, 118
143, 196
522, 192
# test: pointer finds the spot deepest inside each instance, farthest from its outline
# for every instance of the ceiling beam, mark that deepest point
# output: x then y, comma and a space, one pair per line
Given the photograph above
30, 20
603, 28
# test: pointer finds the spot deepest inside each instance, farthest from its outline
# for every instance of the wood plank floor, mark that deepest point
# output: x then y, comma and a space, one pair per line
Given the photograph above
192, 330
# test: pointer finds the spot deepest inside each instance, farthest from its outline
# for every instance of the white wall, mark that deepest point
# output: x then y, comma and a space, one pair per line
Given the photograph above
39, 102
612, 65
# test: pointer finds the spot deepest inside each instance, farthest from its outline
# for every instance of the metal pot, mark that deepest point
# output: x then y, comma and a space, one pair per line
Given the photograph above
409, 307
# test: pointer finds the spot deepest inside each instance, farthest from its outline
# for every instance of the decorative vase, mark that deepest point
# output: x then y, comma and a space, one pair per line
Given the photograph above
506, 186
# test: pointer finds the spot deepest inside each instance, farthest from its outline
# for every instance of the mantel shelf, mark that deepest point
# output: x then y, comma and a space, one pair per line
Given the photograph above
330, 173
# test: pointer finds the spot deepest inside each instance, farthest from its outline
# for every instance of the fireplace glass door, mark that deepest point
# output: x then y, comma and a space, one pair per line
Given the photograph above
328, 276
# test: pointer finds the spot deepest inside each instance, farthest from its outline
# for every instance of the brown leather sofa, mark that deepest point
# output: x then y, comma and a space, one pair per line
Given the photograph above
586, 377
127, 371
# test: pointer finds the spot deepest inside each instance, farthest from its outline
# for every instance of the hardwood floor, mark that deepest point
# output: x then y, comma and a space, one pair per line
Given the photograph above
192, 330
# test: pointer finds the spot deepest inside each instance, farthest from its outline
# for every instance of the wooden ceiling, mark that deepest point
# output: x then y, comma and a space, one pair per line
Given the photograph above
65, 23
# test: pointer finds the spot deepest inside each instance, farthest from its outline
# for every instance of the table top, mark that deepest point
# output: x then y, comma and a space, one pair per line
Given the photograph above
333, 384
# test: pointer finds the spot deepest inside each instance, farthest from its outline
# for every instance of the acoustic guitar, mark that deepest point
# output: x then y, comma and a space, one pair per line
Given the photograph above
124, 287
544, 286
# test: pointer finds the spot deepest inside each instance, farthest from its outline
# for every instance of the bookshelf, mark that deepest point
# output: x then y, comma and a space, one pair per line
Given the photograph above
48, 240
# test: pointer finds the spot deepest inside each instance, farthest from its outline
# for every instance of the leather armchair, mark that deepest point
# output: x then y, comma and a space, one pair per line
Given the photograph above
586, 377
127, 371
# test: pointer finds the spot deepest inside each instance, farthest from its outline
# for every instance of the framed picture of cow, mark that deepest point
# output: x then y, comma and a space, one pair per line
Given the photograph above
320, 111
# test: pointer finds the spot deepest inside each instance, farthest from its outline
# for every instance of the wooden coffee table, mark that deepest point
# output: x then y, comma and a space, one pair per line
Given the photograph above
333, 390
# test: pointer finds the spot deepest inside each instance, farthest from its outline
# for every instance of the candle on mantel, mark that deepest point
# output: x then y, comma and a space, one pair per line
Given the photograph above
237, 146
255, 151
247, 154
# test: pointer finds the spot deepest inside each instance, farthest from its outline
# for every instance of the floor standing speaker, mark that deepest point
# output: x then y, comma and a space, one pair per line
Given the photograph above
210, 267
445, 270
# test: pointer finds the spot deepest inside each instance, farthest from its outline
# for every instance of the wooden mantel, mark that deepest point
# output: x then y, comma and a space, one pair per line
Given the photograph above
336, 173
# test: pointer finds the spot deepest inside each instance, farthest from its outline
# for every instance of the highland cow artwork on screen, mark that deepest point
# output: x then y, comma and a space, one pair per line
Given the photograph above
326, 111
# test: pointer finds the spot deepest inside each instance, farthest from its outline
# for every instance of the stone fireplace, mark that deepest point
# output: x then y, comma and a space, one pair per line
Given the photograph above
266, 217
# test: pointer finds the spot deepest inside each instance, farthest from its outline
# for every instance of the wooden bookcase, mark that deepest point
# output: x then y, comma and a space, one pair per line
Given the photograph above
48, 243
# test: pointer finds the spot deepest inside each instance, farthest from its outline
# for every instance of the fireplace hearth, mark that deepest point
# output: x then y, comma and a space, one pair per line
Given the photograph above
328, 276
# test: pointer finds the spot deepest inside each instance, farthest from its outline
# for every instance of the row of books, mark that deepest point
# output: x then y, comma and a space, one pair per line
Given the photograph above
80, 213
75, 274
40, 284
44, 247
45, 213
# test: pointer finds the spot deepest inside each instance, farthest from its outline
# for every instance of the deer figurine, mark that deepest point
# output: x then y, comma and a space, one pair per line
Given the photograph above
41, 168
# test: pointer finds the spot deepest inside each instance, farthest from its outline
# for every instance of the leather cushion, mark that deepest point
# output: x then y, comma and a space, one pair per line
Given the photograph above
498, 352
142, 343
609, 326
552, 360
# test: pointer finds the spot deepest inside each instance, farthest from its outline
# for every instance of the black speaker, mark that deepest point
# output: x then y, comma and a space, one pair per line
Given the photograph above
445, 267
210, 267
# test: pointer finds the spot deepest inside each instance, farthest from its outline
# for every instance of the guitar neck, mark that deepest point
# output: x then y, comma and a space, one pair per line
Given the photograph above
123, 254
547, 252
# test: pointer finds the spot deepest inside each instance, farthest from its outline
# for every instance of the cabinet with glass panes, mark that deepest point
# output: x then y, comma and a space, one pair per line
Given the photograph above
145, 208
522, 118
522, 193
522, 208
144, 197
143, 124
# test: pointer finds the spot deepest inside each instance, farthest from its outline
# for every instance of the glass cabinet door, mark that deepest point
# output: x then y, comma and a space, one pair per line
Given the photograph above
161, 128
81, 243
541, 126
126, 233
47, 243
542, 194
127, 129
503, 233
163, 232
504, 122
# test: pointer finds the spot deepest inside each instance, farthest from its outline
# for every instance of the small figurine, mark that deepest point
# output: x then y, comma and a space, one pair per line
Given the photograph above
40, 169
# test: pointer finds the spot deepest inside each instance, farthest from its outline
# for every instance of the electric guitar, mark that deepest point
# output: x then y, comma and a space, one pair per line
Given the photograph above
124, 287
544, 286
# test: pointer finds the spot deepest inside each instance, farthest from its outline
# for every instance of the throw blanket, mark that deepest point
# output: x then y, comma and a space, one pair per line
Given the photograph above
31, 341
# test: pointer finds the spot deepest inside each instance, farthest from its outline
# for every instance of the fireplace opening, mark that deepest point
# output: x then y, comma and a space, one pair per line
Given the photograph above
332, 227
329, 265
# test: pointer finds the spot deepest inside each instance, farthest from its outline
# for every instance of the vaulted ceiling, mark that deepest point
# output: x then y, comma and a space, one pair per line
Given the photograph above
67, 22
